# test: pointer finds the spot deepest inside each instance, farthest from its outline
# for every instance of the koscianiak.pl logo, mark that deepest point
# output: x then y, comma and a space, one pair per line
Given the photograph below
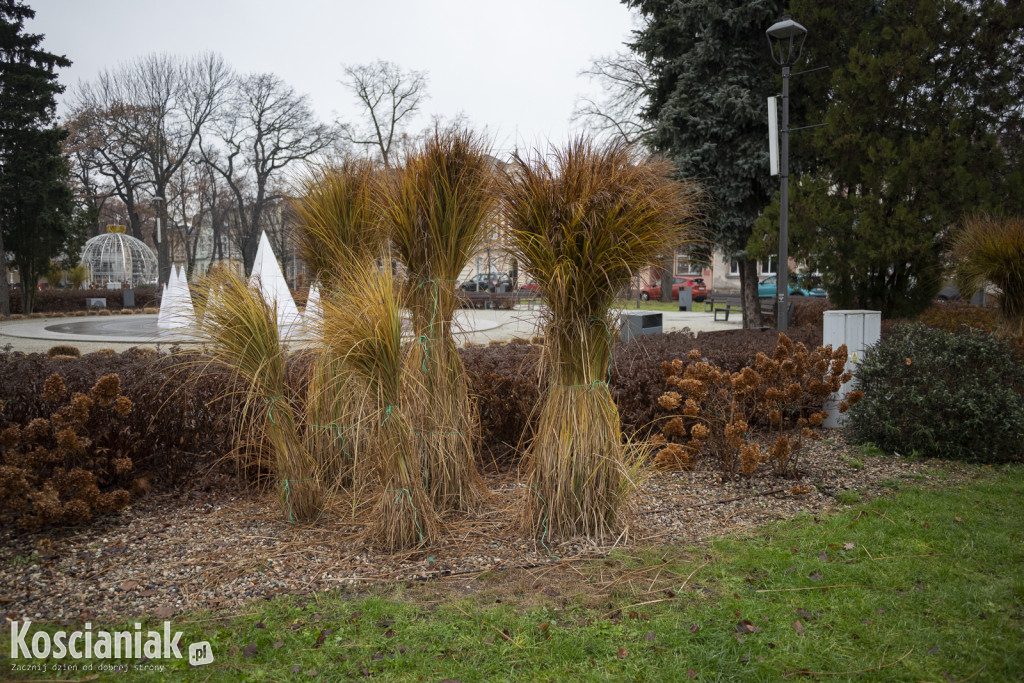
103, 645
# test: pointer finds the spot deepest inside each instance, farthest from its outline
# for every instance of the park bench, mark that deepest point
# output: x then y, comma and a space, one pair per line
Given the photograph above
730, 303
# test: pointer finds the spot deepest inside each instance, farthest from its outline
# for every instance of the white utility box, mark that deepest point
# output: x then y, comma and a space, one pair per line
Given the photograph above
858, 330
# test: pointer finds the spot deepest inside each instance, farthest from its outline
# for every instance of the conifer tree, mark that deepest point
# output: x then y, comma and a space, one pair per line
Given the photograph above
35, 201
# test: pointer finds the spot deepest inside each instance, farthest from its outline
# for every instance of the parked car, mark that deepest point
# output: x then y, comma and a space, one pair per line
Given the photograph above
700, 290
799, 285
486, 282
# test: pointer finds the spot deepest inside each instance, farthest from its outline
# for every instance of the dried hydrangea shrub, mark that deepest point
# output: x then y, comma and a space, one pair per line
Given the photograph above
782, 395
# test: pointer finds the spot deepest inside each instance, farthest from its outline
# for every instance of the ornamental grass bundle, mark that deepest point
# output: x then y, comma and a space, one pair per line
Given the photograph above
363, 328
239, 329
438, 209
990, 249
338, 232
582, 220
337, 220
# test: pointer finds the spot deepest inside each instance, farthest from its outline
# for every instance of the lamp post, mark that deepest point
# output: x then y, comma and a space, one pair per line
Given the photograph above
157, 205
785, 40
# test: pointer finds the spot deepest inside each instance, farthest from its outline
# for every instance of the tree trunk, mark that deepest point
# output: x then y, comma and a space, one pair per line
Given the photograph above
5, 289
748, 294
666, 279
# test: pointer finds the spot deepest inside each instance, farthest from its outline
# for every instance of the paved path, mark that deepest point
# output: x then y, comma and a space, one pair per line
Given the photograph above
122, 332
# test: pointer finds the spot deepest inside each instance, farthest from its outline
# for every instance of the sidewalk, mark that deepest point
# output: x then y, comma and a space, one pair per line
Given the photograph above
90, 334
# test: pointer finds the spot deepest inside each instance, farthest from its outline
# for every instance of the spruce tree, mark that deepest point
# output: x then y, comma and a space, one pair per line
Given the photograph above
35, 201
712, 75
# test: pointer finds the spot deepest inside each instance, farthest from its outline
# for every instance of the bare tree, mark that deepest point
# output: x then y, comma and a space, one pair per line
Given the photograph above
625, 83
151, 111
389, 96
103, 154
81, 151
265, 127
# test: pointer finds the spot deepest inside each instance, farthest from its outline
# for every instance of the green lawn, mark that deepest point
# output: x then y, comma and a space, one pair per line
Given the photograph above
923, 585
633, 304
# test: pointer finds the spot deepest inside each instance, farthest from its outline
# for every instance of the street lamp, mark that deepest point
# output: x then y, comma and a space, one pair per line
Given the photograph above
786, 41
156, 204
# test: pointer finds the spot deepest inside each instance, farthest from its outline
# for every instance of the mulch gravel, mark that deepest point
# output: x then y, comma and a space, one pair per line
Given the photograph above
173, 553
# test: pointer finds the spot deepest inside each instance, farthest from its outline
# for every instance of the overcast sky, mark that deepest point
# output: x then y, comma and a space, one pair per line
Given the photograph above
508, 65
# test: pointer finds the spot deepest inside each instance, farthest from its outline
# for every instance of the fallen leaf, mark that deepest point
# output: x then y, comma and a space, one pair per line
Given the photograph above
321, 638
694, 628
790, 570
650, 636
849, 546
933, 651
165, 612
132, 585
148, 593
746, 626
815, 576
312, 672
250, 651
823, 556
691, 674
377, 656
278, 644
958, 519
798, 627
261, 625
805, 614
622, 653
296, 669
544, 626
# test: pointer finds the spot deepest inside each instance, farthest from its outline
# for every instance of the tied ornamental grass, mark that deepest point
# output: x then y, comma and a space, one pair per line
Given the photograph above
338, 233
239, 329
438, 209
363, 327
582, 220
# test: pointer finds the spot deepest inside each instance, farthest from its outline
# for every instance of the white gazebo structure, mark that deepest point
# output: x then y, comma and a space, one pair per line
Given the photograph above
115, 257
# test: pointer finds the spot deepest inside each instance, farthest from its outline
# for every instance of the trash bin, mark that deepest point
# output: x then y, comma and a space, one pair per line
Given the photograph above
685, 298
635, 324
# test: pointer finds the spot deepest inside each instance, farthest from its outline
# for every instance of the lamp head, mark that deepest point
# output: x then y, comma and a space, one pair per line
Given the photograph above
786, 40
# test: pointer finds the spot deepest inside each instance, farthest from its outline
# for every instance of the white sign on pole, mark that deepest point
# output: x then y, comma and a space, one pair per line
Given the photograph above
773, 135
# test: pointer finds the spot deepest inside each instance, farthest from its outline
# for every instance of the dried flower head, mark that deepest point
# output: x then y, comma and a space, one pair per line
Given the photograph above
54, 389
10, 437
781, 449
123, 405
750, 458
106, 389
674, 457
670, 400
122, 465
69, 441
36, 430
674, 427
700, 431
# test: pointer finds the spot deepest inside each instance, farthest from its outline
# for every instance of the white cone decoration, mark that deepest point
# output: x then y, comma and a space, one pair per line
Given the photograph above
165, 308
188, 310
314, 314
176, 310
267, 276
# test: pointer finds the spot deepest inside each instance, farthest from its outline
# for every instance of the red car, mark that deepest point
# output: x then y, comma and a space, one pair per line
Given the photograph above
700, 291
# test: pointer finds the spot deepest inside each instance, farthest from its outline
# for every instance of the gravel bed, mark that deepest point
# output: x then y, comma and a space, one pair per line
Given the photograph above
172, 553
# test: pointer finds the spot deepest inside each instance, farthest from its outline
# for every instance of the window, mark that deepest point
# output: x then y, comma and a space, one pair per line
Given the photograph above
734, 267
768, 265
686, 266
